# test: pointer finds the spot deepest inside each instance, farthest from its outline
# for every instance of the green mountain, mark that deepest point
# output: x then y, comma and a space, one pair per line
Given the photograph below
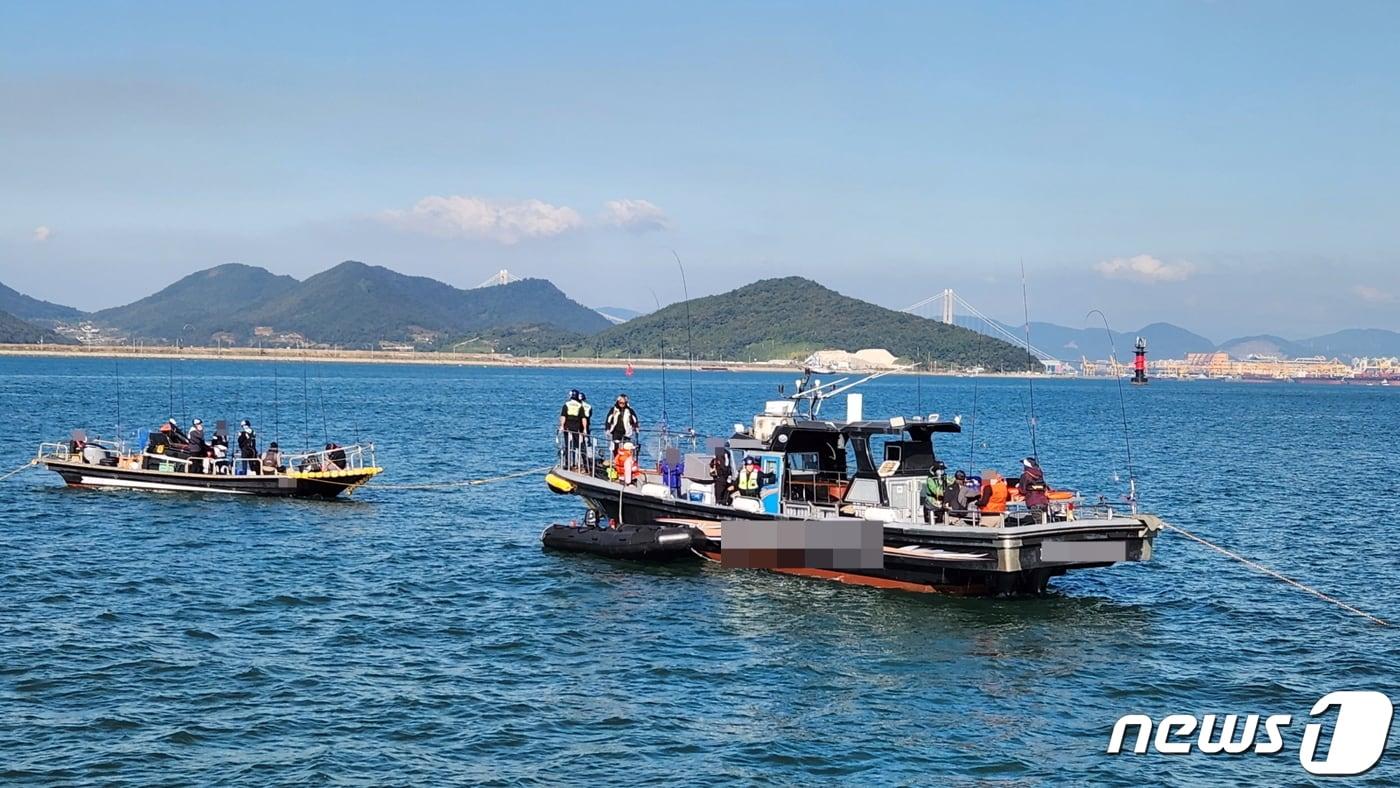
19, 305
792, 317
350, 304
199, 306
354, 303
14, 331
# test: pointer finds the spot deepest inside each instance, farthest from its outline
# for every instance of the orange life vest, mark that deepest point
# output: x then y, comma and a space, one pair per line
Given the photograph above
996, 500
624, 464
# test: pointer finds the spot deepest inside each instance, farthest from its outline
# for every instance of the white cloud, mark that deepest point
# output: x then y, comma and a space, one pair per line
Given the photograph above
1373, 295
502, 221
42, 233
635, 215
1146, 268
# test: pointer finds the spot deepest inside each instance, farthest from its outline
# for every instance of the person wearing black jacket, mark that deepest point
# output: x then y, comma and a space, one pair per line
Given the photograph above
177, 435
720, 475
198, 447
621, 423
247, 449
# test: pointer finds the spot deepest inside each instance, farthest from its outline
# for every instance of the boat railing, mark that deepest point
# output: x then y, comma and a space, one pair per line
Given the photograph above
343, 458
70, 450
593, 454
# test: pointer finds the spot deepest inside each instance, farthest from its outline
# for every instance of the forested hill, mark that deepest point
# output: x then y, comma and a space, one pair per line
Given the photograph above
24, 307
790, 317
349, 304
205, 303
14, 331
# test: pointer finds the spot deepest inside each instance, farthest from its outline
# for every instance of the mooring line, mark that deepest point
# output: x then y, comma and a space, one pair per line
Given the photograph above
25, 466
1276, 575
463, 482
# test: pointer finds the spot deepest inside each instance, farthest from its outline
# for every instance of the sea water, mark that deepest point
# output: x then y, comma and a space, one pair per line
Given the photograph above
423, 637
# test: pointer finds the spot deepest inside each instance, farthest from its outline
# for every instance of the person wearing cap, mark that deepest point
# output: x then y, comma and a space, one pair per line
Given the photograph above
991, 503
750, 478
176, 435
247, 449
621, 422
957, 497
571, 421
1034, 491
935, 487
197, 446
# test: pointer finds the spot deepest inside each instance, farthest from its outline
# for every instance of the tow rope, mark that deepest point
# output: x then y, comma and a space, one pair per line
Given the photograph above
463, 482
25, 466
1276, 575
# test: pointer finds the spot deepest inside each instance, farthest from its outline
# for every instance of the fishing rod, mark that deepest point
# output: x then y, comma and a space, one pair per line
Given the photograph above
305, 403
1122, 405
972, 444
662, 336
117, 376
1030, 380
276, 411
689, 341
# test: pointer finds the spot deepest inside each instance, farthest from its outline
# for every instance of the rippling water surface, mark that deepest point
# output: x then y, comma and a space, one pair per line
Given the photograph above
423, 636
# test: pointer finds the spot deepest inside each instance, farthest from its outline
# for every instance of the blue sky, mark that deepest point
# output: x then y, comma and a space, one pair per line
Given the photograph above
1229, 166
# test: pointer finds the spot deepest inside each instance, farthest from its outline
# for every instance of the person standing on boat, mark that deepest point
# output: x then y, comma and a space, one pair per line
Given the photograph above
935, 487
720, 474
198, 447
586, 447
571, 429
247, 449
750, 478
1034, 491
621, 423
991, 504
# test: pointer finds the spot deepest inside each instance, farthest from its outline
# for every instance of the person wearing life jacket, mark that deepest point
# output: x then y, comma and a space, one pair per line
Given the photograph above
992, 501
625, 463
571, 421
750, 478
1033, 488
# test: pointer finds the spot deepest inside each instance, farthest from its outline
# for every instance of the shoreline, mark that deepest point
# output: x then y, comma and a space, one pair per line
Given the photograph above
433, 358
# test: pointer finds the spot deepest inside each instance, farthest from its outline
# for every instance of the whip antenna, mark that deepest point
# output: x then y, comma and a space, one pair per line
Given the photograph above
1122, 404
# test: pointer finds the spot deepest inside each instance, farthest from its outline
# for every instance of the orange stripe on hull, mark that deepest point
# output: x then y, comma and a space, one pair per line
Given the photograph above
862, 580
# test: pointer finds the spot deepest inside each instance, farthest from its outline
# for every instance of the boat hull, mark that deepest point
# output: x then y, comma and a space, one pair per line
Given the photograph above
324, 484
962, 560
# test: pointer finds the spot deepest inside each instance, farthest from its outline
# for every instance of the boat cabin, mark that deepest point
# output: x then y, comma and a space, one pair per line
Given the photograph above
826, 469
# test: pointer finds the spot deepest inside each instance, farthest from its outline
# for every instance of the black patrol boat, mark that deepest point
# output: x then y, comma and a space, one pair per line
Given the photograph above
826, 476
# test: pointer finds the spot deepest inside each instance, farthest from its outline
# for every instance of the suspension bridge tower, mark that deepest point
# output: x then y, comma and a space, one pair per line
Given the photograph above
501, 277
